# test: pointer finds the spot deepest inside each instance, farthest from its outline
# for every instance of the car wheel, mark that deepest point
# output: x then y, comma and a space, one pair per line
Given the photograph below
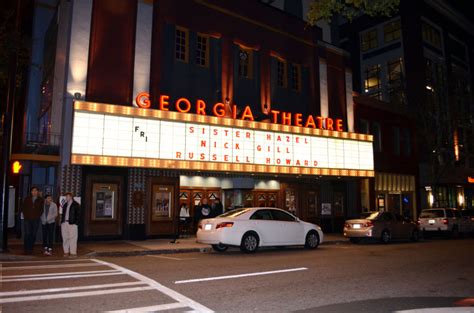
249, 242
220, 247
312, 240
415, 235
385, 238
354, 240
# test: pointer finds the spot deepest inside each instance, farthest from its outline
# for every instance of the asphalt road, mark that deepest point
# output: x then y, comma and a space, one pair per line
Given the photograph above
368, 277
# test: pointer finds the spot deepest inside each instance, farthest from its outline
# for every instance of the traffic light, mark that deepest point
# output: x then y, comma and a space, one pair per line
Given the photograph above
16, 167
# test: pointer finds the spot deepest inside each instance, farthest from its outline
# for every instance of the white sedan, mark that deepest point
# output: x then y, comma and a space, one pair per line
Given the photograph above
250, 228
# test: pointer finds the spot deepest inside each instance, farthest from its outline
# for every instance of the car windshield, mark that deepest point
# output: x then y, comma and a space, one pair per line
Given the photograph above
432, 213
234, 213
370, 215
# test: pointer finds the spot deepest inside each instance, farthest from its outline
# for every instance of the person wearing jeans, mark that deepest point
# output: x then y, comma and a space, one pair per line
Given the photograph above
31, 209
69, 223
48, 219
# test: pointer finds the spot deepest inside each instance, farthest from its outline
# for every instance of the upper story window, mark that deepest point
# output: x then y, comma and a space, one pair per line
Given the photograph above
181, 44
395, 69
295, 77
245, 62
392, 31
282, 80
431, 35
202, 50
372, 78
377, 133
458, 49
395, 81
368, 40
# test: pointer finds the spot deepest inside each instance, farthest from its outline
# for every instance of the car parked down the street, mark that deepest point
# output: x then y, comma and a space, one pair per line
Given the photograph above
443, 220
251, 228
468, 216
383, 226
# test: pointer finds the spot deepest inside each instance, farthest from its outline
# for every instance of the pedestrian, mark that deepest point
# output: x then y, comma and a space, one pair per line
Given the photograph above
203, 210
69, 223
31, 210
217, 208
48, 219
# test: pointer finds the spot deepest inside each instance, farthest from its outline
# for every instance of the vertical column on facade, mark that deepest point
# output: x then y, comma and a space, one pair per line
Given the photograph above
71, 179
227, 72
143, 41
156, 51
323, 87
315, 107
265, 81
79, 47
349, 101
77, 65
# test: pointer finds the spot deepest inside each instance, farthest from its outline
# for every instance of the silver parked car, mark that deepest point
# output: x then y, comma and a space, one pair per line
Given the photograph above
381, 225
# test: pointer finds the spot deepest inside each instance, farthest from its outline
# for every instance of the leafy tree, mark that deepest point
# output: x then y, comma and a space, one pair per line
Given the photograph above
326, 9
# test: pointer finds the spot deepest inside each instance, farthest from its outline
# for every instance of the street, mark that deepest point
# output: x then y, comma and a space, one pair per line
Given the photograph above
367, 277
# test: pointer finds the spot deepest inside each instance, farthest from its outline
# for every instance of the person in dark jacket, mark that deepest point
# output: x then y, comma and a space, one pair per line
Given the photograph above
217, 208
203, 210
69, 223
31, 209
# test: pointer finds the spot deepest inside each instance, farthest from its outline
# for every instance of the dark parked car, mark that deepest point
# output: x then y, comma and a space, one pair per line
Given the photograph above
381, 225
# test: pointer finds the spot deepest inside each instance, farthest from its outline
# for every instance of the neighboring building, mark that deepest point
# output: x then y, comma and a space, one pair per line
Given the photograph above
194, 60
395, 157
422, 59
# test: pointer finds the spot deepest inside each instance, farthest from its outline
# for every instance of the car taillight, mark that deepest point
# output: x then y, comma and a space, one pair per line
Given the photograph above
347, 225
368, 224
199, 226
225, 224
472, 219
418, 222
445, 221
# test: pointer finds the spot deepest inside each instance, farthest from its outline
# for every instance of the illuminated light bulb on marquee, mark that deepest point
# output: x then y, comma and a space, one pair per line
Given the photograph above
183, 105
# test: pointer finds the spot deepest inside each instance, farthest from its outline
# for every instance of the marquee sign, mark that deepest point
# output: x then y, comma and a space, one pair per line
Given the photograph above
125, 136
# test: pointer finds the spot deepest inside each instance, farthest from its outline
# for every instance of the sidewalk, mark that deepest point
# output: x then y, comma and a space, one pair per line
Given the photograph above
128, 248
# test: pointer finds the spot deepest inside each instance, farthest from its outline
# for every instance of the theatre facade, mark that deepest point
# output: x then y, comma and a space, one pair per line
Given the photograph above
165, 105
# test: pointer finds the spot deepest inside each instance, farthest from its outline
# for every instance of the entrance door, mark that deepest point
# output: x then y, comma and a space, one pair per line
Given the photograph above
193, 197
265, 199
103, 209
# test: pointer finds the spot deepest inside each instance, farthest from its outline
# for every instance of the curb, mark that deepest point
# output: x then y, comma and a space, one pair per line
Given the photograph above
7, 257
176, 251
146, 252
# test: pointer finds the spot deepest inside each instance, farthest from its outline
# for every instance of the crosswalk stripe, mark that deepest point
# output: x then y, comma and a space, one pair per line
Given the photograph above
11, 268
61, 277
51, 290
58, 274
161, 288
154, 308
74, 294
45, 261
